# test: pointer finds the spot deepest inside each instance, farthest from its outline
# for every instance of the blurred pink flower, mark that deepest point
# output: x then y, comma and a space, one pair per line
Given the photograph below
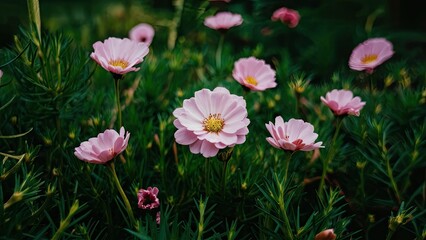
286, 15
342, 102
327, 234
147, 198
370, 54
254, 74
158, 217
118, 55
104, 147
1, 73
143, 33
223, 20
293, 135
210, 121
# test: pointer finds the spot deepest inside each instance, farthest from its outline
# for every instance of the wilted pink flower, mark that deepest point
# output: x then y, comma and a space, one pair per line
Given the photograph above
147, 198
104, 147
286, 15
158, 217
254, 74
342, 102
211, 120
223, 20
327, 234
370, 54
119, 56
293, 135
143, 33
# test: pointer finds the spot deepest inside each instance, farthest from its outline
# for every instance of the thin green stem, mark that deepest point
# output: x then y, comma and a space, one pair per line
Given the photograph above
117, 99
288, 233
287, 166
392, 180
34, 16
111, 167
207, 176
225, 164
330, 155
219, 51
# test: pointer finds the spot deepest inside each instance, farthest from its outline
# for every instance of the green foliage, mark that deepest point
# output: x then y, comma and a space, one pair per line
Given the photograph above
53, 97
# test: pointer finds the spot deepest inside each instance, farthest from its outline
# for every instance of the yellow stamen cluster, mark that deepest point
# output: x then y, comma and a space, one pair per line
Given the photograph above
119, 63
251, 80
369, 58
214, 123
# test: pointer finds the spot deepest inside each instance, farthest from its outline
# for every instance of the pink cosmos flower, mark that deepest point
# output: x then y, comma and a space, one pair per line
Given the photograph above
210, 121
293, 135
119, 56
342, 102
104, 147
327, 234
223, 21
254, 74
370, 54
147, 198
143, 33
286, 15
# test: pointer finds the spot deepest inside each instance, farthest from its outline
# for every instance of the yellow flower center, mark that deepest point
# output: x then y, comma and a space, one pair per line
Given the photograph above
251, 80
119, 63
213, 123
369, 58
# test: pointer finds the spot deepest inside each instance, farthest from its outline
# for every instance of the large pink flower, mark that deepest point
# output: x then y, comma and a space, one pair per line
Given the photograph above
286, 15
147, 198
104, 147
342, 102
223, 20
143, 33
211, 120
119, 56
254, 74
370, 54
293, 135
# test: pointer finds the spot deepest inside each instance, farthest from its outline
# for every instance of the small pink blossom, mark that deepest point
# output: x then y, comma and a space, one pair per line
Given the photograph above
293, 135
223, 21
119, 56
147, 198
158, 217
143, 33
370, 54
286, 15
210, 121
327, 234
254, 74
342, 102
104, 147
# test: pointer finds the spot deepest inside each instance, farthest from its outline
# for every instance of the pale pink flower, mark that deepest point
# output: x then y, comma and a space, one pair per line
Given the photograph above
143, 33
293, 135
254, 74
210, 121
104, 147
342, 102
119, 56
327, 234
223, 21
147, 198
158, 217
286, 15
370, 54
